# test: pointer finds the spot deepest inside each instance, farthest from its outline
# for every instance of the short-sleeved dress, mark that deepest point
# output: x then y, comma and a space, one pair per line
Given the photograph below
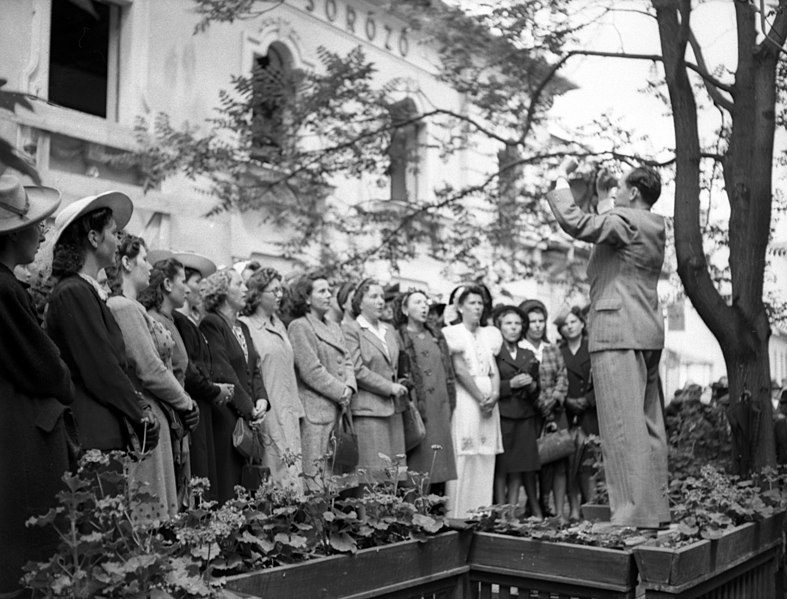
477, 440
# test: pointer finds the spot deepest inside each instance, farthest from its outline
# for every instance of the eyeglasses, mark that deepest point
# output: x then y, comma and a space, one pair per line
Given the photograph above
277, 291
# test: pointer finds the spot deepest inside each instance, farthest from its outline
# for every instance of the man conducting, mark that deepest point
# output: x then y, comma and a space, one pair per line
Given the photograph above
626, 336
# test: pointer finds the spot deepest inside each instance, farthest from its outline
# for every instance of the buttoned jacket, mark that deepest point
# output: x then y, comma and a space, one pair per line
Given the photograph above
623, 270
517, 403
323, 366
376, 369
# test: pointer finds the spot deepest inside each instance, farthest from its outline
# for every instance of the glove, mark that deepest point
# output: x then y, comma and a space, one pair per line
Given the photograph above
191, 418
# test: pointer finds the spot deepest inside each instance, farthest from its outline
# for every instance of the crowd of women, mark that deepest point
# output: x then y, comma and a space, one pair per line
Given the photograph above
159, 352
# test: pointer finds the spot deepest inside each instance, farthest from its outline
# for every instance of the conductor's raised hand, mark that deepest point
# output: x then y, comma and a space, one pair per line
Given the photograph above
568, 166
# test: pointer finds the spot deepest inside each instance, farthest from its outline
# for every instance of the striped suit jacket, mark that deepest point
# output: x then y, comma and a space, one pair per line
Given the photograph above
624, 270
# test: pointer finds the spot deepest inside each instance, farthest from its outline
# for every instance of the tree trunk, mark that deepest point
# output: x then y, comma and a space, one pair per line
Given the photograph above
750, 412
741, 329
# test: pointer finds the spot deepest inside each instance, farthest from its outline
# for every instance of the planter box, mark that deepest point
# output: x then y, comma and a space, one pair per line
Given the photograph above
439, 563
670, 567
743, 560
544, 567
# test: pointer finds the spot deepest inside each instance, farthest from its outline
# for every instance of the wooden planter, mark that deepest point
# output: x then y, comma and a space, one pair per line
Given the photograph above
558, 569
743, 559
439, 564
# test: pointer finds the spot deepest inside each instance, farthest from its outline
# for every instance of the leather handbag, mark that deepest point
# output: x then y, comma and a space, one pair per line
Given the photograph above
414, 429
344, 442
555, 445
247, 441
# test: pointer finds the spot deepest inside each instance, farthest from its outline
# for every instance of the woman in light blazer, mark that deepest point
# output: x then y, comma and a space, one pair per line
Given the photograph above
378, 406
323, 367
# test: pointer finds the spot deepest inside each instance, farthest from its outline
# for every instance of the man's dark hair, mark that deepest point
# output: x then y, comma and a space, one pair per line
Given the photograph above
647, 181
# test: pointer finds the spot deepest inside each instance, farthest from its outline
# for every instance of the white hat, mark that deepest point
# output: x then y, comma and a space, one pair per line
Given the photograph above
205, 266
117, 201
22, 207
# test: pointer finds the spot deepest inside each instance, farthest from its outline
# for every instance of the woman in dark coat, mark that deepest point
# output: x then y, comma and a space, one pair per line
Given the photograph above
580, 403
199, 385
109, 410
518, 464
35, 390
233, 360
431, 373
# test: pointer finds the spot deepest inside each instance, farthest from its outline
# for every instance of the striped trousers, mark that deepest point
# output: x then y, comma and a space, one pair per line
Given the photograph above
633, 438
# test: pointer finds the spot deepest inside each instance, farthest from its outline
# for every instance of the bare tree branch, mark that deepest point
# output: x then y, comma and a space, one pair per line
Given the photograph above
776, 33
712, 88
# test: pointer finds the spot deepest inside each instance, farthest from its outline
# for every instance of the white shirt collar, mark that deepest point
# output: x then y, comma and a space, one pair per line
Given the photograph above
95, 284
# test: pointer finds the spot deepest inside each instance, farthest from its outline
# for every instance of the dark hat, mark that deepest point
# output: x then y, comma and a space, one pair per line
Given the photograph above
533, 304
437, 307
391, 292
580, 312
345, 290
500, 309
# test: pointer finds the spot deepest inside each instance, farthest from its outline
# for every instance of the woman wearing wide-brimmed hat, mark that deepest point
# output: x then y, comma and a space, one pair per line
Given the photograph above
108, 408
35, 390
210, 396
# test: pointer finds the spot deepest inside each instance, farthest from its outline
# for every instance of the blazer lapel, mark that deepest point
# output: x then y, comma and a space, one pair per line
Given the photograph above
375, 340
324, 333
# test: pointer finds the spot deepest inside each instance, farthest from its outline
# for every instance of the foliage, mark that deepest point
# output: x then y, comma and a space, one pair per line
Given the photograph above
699, 435
282, 137
706, 506
108, 548
702, 507
552, 530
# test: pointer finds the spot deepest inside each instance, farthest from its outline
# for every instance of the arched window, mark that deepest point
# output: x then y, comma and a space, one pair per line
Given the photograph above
273, 89
404, 150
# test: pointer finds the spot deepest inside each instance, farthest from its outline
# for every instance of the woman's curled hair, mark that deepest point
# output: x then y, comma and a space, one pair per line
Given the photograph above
128, 247
153, 296
214, 289
69, 252
301, 292
256, 285
360, 293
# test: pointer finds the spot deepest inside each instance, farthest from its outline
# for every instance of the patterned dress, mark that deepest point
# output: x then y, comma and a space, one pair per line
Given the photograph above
149, 348
477, 439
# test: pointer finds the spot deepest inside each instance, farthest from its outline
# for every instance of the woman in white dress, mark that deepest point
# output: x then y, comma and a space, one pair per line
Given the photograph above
475, 426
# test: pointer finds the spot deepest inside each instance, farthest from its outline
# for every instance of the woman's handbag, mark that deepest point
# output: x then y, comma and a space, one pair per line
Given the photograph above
414, 429
344, 442
247, 441
555, 445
